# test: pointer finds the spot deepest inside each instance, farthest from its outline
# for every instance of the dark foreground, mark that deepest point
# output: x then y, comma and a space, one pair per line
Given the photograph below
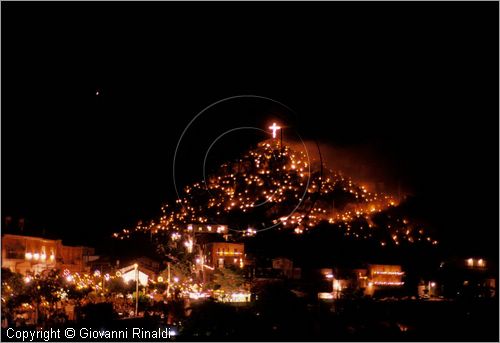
350, 321
361, 320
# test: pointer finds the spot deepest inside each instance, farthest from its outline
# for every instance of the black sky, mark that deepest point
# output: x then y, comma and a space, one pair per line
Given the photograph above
418, 82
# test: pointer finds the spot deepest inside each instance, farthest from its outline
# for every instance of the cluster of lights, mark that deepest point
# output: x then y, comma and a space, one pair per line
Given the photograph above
95, 281
189, 245
229, 253
176, 236
198, 295
207, 228
387, 283
387, 273
275, 174
250, 232
39, 256
222, 296
476, 263
81, 281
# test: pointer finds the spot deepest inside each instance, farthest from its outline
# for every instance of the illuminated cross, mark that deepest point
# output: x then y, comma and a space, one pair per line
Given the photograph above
274, 128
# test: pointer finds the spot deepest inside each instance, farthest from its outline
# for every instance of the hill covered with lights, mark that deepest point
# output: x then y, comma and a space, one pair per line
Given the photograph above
276, 187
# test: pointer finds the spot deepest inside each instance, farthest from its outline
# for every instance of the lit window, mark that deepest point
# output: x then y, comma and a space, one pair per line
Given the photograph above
470, 262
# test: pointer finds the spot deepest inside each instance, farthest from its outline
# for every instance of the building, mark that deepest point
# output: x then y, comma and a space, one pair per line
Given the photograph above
285, 267
340, 282
224, 254
468, 277
141, 274
383, 276
23, 254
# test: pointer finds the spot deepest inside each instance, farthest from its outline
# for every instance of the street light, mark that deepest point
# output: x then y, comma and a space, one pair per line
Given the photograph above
136, 267
432, 286
105, 278
168, 280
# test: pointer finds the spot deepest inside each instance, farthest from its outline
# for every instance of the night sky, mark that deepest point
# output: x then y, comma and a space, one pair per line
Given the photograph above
416, 83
